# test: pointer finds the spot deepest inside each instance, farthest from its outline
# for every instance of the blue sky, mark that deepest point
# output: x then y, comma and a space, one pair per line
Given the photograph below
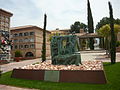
60, 13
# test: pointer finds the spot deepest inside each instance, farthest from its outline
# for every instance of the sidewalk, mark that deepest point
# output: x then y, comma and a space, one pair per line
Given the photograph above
6, 87
97, 55
12, 65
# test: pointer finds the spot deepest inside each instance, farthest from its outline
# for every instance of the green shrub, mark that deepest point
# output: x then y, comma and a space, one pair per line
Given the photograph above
18, 53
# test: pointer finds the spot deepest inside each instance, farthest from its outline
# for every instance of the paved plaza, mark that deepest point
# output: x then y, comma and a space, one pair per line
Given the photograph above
97, 55
12, 65
85, 55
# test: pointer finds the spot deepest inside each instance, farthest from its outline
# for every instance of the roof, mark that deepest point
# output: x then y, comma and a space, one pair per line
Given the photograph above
88, 35
63, 30
4, 11
21, 27
26, 27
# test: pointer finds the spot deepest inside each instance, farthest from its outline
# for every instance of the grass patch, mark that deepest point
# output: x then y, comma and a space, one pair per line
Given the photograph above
112, 74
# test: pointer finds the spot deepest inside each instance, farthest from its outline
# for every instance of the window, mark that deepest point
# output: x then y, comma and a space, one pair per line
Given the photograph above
32, 46
2, 28
20, 34
26, 46
21, 40
26, 40
2, 23
6, 29
6, 25
11, 36
31, 33
2, 18
20, 46
15, 35
15, 40
7, 19
31, 39
26, 34
16, 46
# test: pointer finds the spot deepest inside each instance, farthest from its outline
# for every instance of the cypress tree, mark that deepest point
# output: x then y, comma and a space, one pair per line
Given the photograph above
113, 38
44, 39
90, 26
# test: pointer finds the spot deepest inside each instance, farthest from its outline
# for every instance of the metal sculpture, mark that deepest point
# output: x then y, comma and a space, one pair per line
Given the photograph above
65, 50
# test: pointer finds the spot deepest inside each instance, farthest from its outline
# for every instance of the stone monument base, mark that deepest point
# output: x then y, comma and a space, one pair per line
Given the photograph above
74, 76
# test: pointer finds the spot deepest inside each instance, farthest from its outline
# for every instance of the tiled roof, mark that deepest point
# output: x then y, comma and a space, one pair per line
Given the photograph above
26, 27
6, 12
21, 27
60, 30
88, 35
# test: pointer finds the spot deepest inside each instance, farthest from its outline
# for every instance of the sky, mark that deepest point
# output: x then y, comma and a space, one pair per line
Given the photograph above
60, 13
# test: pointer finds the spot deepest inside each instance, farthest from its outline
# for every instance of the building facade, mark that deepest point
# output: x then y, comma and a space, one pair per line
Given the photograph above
5, 20
118, 36
4, 34
64, 31
28, 40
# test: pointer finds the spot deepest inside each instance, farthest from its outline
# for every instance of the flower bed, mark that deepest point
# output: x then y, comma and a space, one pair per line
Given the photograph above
3, 62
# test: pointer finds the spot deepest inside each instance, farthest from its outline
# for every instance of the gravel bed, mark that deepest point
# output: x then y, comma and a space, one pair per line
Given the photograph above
86, 65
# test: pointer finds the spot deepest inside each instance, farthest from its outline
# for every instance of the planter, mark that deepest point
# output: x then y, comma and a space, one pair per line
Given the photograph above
3, 62
74, 76
17, 59
27, 58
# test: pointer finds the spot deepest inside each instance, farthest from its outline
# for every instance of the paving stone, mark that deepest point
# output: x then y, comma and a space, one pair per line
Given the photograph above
6, 87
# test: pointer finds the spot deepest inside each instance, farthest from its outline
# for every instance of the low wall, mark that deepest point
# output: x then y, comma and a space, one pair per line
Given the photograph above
75, 76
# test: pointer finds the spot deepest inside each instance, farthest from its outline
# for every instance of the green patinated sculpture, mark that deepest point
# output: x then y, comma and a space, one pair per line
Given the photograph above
65, 50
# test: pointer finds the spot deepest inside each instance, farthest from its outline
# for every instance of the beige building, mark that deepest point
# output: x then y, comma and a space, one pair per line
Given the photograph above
118, 36
5, 20
4, 24
28, 40
64, 31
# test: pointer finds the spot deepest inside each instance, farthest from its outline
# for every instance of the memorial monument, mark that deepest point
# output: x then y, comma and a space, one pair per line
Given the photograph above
65, 50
